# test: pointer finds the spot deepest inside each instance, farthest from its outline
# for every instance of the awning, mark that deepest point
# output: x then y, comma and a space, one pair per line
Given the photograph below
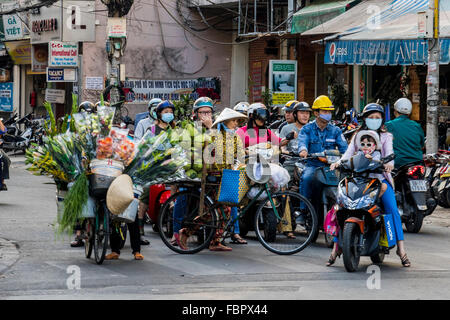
317, 13
389, 37
354, 17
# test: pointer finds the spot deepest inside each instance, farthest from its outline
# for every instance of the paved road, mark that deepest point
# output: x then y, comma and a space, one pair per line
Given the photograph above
38, 269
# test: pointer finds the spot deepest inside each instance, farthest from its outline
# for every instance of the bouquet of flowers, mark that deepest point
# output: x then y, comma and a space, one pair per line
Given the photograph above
157, 161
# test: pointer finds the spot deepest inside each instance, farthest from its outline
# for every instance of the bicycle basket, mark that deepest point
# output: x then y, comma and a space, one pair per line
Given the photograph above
233, 187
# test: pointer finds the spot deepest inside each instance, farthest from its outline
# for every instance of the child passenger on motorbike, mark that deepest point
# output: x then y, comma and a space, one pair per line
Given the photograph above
373, 119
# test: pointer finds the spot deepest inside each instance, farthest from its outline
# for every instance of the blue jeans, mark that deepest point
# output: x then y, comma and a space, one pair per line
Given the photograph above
179, 210
234, 214
390, 207
307, 186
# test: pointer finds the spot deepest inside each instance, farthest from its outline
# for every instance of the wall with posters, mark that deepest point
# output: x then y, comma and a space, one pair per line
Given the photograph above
189, 57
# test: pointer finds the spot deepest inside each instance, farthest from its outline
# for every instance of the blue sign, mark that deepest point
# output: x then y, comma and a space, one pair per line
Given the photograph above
383, 52
61, 75
6, 96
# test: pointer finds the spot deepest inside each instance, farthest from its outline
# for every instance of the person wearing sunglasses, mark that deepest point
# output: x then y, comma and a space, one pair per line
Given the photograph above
373, 118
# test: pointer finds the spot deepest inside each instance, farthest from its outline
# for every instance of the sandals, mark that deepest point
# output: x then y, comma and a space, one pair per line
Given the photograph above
219, 247
236, 239
112, 256
290, 235
332, 258
404, 259
138, 256
181, 239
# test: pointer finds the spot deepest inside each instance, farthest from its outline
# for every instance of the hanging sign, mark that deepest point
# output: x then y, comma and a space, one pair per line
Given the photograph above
62, 54
383, 52
55, 95
61, 75
12, 26
20, 51
117, 28
39, 54
6, 97
283, 81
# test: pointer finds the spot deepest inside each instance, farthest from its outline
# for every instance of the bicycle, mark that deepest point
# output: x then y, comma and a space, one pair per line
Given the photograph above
98, 231
276, 214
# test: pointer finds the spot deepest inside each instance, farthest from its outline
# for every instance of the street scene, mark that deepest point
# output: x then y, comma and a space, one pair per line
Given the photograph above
224, 150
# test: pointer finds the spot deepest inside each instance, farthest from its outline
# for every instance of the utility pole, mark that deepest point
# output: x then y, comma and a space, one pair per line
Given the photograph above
434, 54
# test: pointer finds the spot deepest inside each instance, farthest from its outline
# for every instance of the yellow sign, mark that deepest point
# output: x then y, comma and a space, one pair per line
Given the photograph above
20, 51
282, 98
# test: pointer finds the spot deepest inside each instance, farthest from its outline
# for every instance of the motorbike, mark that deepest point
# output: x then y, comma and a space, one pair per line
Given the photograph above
412, 194
441, 184
21, 140
358, 211
327, 181
435, 166
159, 194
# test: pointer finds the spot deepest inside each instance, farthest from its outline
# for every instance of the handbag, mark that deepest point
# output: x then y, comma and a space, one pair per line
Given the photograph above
330, 225
233, 187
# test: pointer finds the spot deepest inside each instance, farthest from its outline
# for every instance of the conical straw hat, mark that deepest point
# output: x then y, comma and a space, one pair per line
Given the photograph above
228, 114
120, 194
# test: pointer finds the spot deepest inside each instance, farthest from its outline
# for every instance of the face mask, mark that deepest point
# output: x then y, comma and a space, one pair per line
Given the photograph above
326, 117
167, 117
373, 124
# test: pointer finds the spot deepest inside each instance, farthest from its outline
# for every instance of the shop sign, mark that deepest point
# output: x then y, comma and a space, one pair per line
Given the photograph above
383, 52
145, 90
63, 54
5, 75
39, 61
61, 75
6, 97
55, 95
46, 25
20, 51
283, 81
12, 26
79, 21
117, 28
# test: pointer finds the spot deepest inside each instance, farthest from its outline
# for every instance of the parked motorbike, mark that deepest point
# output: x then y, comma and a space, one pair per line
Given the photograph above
413, 198
159, 194
440, 186
327, 181
20, 140
359, 213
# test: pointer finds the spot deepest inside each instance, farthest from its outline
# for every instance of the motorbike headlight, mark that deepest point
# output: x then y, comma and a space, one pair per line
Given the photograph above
365, 201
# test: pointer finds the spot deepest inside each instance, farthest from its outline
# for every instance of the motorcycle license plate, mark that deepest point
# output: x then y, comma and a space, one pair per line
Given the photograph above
418, 185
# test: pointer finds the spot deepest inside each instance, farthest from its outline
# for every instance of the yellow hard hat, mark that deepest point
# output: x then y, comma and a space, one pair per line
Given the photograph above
323, 103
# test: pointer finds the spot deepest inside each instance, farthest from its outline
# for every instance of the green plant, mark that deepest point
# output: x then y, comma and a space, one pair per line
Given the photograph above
267, 98
183, 107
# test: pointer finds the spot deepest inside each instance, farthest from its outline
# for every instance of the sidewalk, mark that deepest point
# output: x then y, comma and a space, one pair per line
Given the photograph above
9, 254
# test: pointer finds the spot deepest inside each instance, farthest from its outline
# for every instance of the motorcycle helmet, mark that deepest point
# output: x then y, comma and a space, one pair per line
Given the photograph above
163, 105
403, 106
87, 106
241, 107
289, 106
371, 108
203, 102
258, 111
301, 106
152, 104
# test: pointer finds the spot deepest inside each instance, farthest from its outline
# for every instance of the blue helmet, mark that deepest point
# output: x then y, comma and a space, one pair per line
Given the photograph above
371, 108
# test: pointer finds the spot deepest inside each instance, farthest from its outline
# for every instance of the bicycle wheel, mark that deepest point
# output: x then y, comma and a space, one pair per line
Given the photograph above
273, 234
200, 229
101, 235
89, 241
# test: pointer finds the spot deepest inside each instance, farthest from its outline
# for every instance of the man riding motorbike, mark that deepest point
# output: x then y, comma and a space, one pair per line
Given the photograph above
315, 137
301, 114
146, 123
409, 138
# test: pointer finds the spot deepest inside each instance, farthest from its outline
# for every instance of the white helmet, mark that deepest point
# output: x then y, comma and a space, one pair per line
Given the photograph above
241, 107
255, 106
403, 106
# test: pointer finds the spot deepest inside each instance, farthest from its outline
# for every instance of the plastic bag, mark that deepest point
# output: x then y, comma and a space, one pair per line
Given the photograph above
105, 148
280, 176
105, 118
253, 192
